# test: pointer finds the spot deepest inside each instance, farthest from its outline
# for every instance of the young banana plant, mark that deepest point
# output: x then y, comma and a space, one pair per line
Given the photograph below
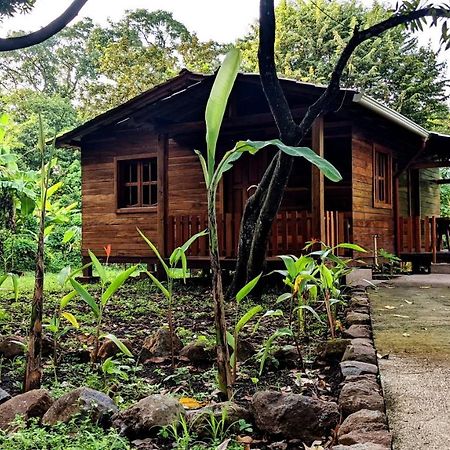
98, 306
172, 272
212, 172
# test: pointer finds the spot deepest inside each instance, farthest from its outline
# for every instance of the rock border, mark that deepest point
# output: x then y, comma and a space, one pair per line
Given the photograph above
361, 399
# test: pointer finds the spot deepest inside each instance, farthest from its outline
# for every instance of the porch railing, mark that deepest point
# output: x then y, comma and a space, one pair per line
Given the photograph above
418, 234
290, 232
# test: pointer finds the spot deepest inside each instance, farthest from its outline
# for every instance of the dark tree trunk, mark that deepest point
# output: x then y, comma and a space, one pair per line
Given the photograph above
33, 373
262, 207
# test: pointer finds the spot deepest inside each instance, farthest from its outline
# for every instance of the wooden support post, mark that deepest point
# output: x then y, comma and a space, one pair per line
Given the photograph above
162, 161
398, 242
317, 183
433, 239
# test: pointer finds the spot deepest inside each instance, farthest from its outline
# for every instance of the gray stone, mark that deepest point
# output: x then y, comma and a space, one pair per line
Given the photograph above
148, 415
367, 376
12, 346
84, 401
360, 352
363, 420
356, 318
109, 349
32, 404
333, 349
359, 300
197, 354
294, 416
245, 350
380, 437
363, 341
357, 395
360, 309
4, 396
288, 357
160, 345
355, 368
358, 331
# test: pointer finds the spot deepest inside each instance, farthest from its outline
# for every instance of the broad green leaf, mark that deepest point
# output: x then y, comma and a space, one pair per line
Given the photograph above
66, 299
311, 310
71, 319
27, 205
117, 283
175, 256
247, 288
354, 247
268, 345
204, 167
230, 340
98, 267
155, 251
63, 275
217, 103
15, 283
79, 270
283, 297
192, 239
158, 284
322, 164
290, 265
247, 317
69, 235
326, 276
52, 189
184, 266
84, 294
121, 346
3, 278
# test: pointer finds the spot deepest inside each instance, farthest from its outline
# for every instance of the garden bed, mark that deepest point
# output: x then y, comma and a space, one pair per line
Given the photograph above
138, 312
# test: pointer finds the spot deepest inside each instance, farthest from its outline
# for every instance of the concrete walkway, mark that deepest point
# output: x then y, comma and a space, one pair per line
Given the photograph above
411, 318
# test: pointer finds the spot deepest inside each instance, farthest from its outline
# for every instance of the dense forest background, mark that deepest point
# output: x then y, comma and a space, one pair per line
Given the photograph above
87, 69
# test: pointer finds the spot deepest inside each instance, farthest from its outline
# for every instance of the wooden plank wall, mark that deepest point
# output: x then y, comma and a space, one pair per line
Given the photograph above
368, 220
102, 225
430, 204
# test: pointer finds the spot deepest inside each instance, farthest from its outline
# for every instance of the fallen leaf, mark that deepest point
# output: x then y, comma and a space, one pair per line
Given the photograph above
191, 403
385, 356
390, 307
406, 334
244, 439
224, 444
407, 301
399, 315
425, 287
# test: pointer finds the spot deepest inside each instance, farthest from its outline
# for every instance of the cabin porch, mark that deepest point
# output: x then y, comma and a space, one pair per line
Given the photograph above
423, 240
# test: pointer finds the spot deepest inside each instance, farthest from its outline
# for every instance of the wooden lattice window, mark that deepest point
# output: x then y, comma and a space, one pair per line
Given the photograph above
382, 178
137, 183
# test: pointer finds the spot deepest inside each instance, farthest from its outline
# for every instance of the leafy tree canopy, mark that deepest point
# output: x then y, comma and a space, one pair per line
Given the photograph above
393, 67
12, 7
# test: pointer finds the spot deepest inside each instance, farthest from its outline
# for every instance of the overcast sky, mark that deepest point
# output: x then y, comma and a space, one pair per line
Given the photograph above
221, 20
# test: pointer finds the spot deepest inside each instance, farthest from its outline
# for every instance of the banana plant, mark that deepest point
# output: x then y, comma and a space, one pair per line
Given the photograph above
241, 322
212, 172
172, 272
98, 306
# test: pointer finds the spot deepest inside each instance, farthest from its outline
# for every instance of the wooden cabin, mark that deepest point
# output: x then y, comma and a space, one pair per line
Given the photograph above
139, 170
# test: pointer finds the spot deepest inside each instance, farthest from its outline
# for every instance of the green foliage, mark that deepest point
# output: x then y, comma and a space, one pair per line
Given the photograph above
12, 7
171, 271
98, 306
393, 68
73, 436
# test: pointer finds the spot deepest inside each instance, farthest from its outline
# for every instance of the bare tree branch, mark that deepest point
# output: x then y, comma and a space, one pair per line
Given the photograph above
15, 43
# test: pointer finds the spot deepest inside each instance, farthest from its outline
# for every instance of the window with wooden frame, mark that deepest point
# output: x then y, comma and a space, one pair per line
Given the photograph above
137, 183
382, 178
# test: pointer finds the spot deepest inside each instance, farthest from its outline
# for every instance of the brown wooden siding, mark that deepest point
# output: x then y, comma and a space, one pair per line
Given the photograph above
429, 193
368, 220
102, 224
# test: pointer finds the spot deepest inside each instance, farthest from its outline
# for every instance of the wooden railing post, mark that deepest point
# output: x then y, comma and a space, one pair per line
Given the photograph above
433, 239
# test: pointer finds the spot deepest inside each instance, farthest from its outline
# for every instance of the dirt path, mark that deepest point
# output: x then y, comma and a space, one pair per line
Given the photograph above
411, 318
